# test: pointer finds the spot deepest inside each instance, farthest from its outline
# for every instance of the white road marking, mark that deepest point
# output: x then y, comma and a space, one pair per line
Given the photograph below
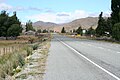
111, 74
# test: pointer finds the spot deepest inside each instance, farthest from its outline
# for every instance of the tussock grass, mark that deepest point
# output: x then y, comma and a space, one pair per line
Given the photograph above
10, 62
35, 46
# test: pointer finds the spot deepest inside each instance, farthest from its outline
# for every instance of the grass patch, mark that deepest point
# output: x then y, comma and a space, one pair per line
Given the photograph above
9, 62
35, 46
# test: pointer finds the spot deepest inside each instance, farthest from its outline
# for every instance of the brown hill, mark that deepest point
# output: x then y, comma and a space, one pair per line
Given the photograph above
44, 25
85, 23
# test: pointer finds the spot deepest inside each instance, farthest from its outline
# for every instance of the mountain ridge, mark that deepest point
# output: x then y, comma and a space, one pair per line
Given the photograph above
85, 23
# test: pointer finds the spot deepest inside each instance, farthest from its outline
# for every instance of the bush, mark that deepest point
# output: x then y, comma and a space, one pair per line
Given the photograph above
29, 50
21, 60
116, 31
35, 46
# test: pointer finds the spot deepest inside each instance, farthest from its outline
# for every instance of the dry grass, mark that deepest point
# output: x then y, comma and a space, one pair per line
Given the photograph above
9, 62
20, 40
11, 42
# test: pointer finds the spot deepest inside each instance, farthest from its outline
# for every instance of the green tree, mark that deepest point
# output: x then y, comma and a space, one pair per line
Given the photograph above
52, 31
12, 21
90, 31
63, 30
3, 23
39, 31
109, 26
100, 30
29, 26
45, 31
116, 31
115, 7
79, 30
6, 22
115, 18
14, 30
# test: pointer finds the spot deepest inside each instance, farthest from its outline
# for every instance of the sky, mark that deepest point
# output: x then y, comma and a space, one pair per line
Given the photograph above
57, 11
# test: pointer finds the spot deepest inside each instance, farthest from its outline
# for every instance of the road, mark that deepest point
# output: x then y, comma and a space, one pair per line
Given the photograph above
82, 59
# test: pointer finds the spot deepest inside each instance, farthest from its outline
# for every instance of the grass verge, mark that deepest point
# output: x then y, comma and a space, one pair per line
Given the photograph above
12, 63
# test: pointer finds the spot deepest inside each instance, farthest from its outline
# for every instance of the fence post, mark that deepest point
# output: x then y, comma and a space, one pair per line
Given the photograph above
3, 51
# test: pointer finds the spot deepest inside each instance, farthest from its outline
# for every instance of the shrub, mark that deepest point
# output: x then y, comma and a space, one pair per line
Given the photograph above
21, 60
35, 46
28, 50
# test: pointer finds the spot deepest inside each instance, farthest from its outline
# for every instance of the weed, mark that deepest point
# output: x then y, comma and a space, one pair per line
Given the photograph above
35, 46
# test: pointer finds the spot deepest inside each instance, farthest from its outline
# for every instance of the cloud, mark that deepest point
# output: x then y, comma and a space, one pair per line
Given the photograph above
4, 6
63, 15
47, 17
105, 14
34, 8
49, 11
59, 17
20, 8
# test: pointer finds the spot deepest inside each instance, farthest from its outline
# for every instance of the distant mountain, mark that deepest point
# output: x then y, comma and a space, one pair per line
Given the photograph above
85, 23
44, 25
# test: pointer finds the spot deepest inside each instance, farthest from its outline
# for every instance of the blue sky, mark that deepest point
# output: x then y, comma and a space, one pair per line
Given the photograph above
58, 11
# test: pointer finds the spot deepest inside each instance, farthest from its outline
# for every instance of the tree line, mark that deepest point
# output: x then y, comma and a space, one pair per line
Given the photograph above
111, 25
29, 27
10, 26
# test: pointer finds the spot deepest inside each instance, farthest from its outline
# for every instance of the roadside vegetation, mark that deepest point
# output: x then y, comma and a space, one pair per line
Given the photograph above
16, 46
35, 64
12, 63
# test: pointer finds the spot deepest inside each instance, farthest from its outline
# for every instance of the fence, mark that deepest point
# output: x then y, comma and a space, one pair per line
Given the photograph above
9, 49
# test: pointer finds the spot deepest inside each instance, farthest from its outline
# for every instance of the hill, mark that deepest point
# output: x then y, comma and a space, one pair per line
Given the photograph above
85, 23
44, 25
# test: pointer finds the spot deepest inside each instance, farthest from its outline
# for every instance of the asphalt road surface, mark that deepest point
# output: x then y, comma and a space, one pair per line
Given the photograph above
81, 59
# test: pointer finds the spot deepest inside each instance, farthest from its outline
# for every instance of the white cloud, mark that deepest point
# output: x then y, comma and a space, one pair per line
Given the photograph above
47, 17
59, 17
4, 6
105, 14
34, 8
